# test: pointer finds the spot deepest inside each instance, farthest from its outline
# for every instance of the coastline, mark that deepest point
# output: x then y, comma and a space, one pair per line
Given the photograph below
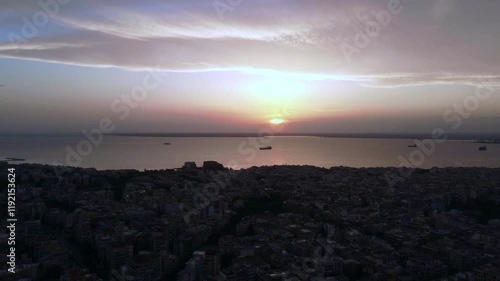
200, 168
463, 137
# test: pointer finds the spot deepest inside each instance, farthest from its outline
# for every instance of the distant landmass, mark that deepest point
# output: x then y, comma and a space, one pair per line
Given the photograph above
486, 137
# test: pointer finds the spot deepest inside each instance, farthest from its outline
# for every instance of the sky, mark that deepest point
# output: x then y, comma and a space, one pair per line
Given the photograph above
315, 66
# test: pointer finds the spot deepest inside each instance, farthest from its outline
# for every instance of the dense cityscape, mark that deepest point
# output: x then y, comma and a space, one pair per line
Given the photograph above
261, 223
340, 140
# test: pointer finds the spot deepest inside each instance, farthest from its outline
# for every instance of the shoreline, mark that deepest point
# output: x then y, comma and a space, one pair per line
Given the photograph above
458, 137
201, 168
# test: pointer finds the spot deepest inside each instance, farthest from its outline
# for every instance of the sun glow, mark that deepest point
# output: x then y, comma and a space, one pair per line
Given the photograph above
277, 121
276, 90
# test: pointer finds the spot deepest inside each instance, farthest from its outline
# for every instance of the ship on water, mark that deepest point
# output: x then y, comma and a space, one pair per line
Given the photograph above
483, 148
266, 147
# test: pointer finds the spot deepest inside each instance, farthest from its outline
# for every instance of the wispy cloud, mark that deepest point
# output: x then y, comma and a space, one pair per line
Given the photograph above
295, 38
404, 80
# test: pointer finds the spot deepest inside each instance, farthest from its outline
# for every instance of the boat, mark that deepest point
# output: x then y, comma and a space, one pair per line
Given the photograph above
412, 145
266, 147
167, 143
483, 148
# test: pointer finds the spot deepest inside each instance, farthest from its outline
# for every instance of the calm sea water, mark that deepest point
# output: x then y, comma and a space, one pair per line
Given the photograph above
117, 152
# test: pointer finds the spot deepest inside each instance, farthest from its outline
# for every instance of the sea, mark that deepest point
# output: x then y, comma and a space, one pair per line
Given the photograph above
152, 153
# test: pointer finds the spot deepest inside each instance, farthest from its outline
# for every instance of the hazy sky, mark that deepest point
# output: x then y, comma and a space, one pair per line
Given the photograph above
234, 65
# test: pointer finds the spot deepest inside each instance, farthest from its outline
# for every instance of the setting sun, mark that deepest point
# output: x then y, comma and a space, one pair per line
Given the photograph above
277, 121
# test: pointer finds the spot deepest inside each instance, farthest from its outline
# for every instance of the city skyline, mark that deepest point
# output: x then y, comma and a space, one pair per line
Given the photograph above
219, 140
239, 66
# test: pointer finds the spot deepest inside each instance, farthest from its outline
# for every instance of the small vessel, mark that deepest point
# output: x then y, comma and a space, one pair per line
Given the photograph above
412, 145
483, 148
167, 143
266, 147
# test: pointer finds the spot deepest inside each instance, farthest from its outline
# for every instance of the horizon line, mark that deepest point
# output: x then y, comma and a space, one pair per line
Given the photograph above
404, 135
